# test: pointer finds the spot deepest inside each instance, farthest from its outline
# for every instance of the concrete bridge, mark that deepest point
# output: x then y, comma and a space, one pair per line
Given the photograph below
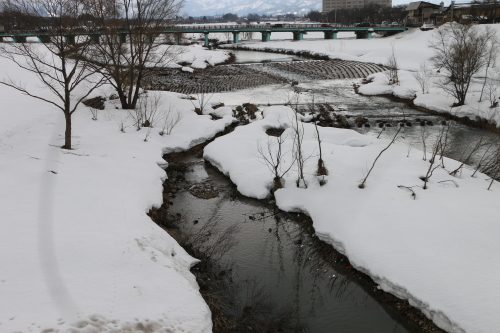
297, 30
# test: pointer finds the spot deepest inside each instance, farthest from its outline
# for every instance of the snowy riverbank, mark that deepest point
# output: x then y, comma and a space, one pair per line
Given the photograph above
436, 251
411, 48
78, 251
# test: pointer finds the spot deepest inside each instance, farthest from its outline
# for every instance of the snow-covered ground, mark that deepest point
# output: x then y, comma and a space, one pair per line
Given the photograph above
78, 252
438, 251
411, 49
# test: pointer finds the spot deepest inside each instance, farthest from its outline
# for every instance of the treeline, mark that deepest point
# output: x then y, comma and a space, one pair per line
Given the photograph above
373, 13
229, 17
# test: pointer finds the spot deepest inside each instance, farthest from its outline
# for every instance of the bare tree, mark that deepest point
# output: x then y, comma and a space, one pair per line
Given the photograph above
476, 148
273, 156
393, 66
57, 62
437, 148
460, 50
298, 140
129, 47
363, 182
203, 99
491, 166
423, 77
322, 170
491, 56
171, 118
94, 112
492, 92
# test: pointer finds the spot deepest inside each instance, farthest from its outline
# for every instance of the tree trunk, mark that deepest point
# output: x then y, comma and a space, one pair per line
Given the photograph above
67, 132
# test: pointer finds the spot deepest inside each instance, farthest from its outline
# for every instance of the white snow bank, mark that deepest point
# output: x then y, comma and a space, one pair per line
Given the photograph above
78, 251
198, 56
438, 251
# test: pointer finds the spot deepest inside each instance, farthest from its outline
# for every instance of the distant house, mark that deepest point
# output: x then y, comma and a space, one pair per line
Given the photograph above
474, 12
420, 12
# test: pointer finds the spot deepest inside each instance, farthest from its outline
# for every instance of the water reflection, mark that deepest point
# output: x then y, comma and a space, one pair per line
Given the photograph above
279, 268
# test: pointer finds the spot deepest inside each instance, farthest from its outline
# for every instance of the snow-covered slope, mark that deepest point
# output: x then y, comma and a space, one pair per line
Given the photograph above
240, 7
77, 251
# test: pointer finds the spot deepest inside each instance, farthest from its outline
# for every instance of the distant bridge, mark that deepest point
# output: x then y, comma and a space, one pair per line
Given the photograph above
298, 31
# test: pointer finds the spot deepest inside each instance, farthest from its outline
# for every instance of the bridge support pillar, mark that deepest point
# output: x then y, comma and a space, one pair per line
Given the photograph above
369, 33
298, 35
177, 39
266, 36
150, 39
122, 37
43, 39
18, 39
1, 39
361, 34
236, 37
207, 42
94, 39
69, 39
331, 34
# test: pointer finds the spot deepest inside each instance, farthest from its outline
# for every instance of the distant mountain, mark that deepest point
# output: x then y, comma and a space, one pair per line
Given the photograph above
241, 7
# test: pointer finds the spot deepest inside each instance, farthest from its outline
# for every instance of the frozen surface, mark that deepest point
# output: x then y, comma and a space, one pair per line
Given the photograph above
438, 251
78, 252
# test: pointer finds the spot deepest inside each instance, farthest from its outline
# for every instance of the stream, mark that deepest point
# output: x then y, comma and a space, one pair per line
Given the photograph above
275, 256
273, 261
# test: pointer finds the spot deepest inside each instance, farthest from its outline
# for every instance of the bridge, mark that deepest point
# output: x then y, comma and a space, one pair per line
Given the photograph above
297, 30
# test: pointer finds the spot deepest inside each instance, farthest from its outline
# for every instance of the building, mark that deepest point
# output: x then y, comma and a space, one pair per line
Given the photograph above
329, 5
420, 12
474, 12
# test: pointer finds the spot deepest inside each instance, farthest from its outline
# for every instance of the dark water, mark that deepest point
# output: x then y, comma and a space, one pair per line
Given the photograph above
276, 256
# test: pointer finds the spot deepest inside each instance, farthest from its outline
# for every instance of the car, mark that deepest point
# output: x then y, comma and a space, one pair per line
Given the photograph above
395, 24
427, 26
364, 24
326, 26
384, 24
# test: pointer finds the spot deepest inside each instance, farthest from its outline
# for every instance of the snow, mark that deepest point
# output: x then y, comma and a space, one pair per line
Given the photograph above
411, 48
438, 251
79, 253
